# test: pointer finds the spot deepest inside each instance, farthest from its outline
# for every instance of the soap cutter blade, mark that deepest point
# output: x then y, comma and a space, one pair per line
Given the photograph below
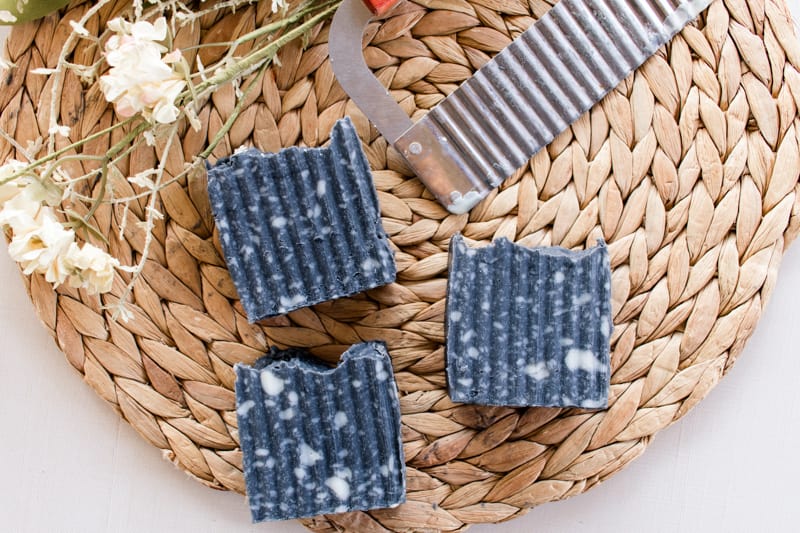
518, 102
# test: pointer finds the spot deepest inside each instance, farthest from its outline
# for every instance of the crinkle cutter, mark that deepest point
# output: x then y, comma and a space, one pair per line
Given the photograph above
516, 103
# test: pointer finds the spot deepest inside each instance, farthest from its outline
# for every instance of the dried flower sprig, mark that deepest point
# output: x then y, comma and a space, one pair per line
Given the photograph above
155, 92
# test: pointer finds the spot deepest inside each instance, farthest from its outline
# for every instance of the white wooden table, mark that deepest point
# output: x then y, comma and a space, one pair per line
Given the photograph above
70, 464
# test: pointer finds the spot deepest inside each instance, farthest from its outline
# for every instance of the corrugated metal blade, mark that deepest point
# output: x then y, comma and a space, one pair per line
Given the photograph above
541, 83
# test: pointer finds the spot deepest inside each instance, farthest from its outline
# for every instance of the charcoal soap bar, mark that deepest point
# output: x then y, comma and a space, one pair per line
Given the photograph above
318, 440
528, 326
301, 226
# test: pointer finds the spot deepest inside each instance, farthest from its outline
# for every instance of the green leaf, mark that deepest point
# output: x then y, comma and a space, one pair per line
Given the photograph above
18, 11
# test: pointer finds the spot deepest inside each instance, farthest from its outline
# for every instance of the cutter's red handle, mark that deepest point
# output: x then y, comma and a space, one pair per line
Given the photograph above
380, 7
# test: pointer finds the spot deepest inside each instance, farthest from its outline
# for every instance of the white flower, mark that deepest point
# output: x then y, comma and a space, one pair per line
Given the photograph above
11, 188
90, 268
20, 213
141, 80
40, 243
161, 98
42, 249
278, 5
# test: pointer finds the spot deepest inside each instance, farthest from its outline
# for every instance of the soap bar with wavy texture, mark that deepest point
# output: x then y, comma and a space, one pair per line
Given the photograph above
528, 326
318, 440
301, 226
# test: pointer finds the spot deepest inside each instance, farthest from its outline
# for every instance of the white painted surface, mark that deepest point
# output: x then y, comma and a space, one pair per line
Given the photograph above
70, 464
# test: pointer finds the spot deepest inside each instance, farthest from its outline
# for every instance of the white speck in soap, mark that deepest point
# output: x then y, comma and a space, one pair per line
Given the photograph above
472, 352
293, 398
467, 336
537, 371
340, 487
308, 455
245, 408
356, 384
341, 509
269, 463
299, 473
567, 342
485, 306
340, 419
294, 301
465, 382
592, 404
583, 299
380, 372
279, 222
262, 452
321, 186
605, 328
369, 264
272, 384
384, 470
247, 252
286, 414
455, 316
558, 277
577, 359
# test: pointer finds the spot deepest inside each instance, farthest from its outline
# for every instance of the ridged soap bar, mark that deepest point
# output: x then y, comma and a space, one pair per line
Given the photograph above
528, 326
300, 226
318, 440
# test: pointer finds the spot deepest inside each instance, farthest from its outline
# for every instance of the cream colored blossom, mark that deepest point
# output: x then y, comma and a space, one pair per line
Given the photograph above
90, 268
10, 188
42, 249
39, 241
21, 213
141, 79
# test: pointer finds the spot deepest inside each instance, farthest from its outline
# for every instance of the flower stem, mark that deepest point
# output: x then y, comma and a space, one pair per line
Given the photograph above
253, 60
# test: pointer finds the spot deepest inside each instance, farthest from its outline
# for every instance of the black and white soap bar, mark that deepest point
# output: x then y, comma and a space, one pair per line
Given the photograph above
528, 326
301, 226
318, 440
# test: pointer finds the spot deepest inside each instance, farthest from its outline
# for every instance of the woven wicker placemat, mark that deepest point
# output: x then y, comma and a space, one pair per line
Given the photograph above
689, 170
